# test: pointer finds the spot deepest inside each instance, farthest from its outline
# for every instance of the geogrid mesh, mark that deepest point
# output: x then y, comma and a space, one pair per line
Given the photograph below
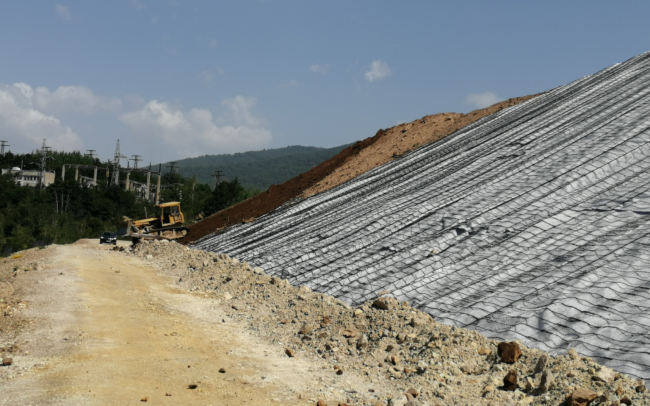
531, 223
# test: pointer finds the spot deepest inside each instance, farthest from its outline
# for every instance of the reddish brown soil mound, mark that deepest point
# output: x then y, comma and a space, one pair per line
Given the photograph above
347, 164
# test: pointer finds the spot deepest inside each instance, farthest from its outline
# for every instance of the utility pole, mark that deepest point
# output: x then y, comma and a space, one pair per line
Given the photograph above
3, 144
90, 153
217, 175
136, 159
173, 168
42, 163
116, 164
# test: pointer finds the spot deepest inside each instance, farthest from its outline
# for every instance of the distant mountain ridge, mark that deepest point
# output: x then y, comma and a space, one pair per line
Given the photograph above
257, 169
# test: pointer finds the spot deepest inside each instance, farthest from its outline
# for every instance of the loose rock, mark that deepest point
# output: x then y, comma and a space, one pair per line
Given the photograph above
605, 375
581, 397
510, 380
509, 352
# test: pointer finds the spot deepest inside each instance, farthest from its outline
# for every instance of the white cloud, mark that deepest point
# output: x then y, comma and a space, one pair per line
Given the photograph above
291, 83
25, 127
322, 69
196, 132
378, 70
137, 5
78, 99
63, 11
206, 76
482, 100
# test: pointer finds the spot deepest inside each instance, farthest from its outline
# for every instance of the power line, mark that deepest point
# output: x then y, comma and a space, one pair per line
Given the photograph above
136, 159
217, 175
173, 168
116, 164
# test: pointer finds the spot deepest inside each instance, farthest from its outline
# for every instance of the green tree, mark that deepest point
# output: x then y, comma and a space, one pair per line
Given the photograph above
227, 194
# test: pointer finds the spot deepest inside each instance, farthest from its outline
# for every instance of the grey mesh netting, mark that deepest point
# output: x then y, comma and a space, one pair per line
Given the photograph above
531, 223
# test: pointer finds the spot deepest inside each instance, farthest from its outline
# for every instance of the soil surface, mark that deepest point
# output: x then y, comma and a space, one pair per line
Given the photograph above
89, 326
351, 162
159, 323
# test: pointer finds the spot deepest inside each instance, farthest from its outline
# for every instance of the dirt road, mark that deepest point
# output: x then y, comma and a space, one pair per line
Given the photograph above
109, 330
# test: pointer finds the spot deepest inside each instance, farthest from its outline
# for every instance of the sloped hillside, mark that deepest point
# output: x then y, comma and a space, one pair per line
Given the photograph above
258, 169
352, 161
532, 223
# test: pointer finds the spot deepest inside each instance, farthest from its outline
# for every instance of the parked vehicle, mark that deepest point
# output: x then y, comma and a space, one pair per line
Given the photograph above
108, 238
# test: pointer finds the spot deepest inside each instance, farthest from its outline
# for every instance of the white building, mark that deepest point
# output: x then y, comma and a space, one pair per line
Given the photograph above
31, 178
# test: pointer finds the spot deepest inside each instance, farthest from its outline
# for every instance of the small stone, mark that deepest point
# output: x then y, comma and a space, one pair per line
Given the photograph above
327, 319
510, 381
385, 303
573, 354
145, 399
573, 373
484, 351
488, 389
547, 382
413, 392
149, 257
420, 320
7, 361
542, 361
399, 400
640, 386
306, 329
339, 372
348, 332
619, 390
626, 401
358, 312
363, 341
605, 375
394, 359
321, 403
509, 352
530, 384
291, 353
581, 397
222, 370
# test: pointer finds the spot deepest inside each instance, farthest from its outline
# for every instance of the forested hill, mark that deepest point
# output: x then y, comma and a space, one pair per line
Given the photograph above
257, 169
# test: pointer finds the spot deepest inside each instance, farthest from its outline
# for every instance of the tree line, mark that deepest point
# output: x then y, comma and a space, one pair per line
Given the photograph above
66, 210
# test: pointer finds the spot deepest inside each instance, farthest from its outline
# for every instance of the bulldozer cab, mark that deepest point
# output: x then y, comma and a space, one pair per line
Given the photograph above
170, 214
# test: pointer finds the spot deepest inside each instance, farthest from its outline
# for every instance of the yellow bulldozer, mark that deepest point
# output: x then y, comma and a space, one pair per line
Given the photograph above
168, 226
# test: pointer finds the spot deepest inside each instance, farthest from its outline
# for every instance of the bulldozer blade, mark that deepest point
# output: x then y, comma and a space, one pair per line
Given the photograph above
123, 228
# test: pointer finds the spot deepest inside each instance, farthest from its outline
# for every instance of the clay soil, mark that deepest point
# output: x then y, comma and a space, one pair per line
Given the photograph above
351, 162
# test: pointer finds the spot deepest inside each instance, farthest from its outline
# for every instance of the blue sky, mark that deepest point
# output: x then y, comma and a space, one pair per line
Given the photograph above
173, 79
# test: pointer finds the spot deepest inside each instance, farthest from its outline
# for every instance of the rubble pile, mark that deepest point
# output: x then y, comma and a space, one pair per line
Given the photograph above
409, 358
12, 304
